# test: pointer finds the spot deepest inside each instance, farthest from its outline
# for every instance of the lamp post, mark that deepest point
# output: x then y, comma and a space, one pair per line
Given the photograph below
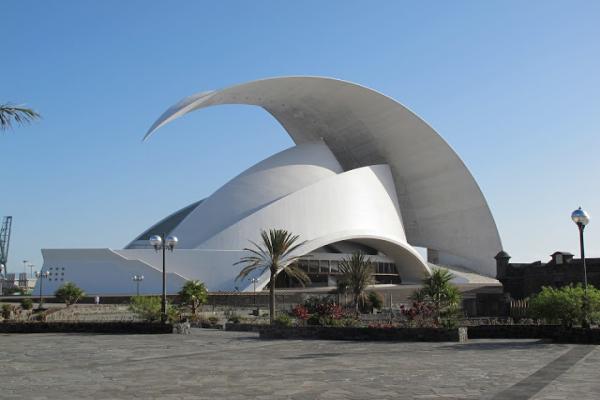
159, 242
41, 276
31, 267
254, 280
25, 265
137, 279
581, 218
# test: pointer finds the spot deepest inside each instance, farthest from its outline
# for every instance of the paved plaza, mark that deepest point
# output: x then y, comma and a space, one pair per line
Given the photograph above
233, 365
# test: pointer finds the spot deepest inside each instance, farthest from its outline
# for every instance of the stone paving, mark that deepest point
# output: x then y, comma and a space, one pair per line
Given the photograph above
237, 365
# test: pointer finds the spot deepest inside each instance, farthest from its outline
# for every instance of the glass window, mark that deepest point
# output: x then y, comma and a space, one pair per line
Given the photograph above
324, 266
334, 266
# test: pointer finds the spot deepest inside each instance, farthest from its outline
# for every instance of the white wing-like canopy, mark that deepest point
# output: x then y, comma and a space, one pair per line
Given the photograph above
442, 207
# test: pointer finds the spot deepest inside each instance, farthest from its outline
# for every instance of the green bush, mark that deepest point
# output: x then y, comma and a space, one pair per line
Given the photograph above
566, 305
6, 310
234, 318
27, 303
375, 300
283, 320
213, 319
69, 293
146, 307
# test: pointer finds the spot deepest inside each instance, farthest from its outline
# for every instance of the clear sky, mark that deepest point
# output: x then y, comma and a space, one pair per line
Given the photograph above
513, 86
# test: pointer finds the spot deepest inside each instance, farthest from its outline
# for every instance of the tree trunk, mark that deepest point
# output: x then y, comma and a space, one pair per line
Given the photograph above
272, 298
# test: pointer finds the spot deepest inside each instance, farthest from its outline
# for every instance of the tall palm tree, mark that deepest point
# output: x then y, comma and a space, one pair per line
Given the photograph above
10, 113
439, 292
357, 275
274, 254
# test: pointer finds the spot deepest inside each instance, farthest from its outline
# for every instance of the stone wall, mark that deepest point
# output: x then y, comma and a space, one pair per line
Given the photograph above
369, 334
86, 327
556, 333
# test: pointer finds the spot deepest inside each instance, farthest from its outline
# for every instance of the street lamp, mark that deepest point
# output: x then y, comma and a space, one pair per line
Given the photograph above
41, 276
137, 279
25, 265
581, 218
254, 280
159, 242
31, 267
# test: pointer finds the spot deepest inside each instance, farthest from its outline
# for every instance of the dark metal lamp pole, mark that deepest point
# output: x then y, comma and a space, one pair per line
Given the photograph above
159, 242
581, 218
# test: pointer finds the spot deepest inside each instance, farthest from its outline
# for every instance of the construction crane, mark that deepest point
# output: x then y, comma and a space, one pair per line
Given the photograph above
4, 242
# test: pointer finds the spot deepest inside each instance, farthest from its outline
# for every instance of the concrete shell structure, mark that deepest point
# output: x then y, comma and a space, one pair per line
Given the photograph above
366, 173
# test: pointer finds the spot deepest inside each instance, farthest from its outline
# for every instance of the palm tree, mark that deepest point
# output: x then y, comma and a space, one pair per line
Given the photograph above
357, 275
274, 254
439, 292
10, 113
194, 294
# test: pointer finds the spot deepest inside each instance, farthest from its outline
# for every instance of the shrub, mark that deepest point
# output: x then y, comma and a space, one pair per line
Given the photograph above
283, 320
235, 318
27, 303
146, 307
69, 293
6, 311
566, 305
300, 312
420, 315
213, 320
321, 311
442, 297
375, 300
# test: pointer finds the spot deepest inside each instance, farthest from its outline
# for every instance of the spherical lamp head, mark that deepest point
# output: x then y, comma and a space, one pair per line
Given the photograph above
580, 217
155, 241
172, 242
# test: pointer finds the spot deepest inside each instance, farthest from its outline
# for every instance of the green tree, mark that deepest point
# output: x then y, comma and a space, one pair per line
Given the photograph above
440, 294
194, 294
10, 113
357, 275
275, 255
69, 293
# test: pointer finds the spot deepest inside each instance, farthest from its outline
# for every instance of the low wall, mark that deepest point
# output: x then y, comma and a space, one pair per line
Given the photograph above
369, 334
555, 333
86, 327
230, 326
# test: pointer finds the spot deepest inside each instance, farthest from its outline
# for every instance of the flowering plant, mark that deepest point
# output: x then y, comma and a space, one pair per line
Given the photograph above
300, 312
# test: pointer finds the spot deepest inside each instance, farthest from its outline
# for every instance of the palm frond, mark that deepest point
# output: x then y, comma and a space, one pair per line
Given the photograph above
295, 272
275, 253
18, 114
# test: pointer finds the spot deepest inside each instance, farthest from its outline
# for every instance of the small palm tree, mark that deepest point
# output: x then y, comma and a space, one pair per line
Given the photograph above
439, 292
69, 293
194, 294
274, 254
357, 275
10, 113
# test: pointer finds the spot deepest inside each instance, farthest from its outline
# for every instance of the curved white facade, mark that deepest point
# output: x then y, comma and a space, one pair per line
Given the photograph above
364, 170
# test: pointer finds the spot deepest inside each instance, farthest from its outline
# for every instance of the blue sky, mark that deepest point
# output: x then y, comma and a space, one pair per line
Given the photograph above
513, 86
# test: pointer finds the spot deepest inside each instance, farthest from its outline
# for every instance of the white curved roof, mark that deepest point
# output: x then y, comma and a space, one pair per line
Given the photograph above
442, 208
